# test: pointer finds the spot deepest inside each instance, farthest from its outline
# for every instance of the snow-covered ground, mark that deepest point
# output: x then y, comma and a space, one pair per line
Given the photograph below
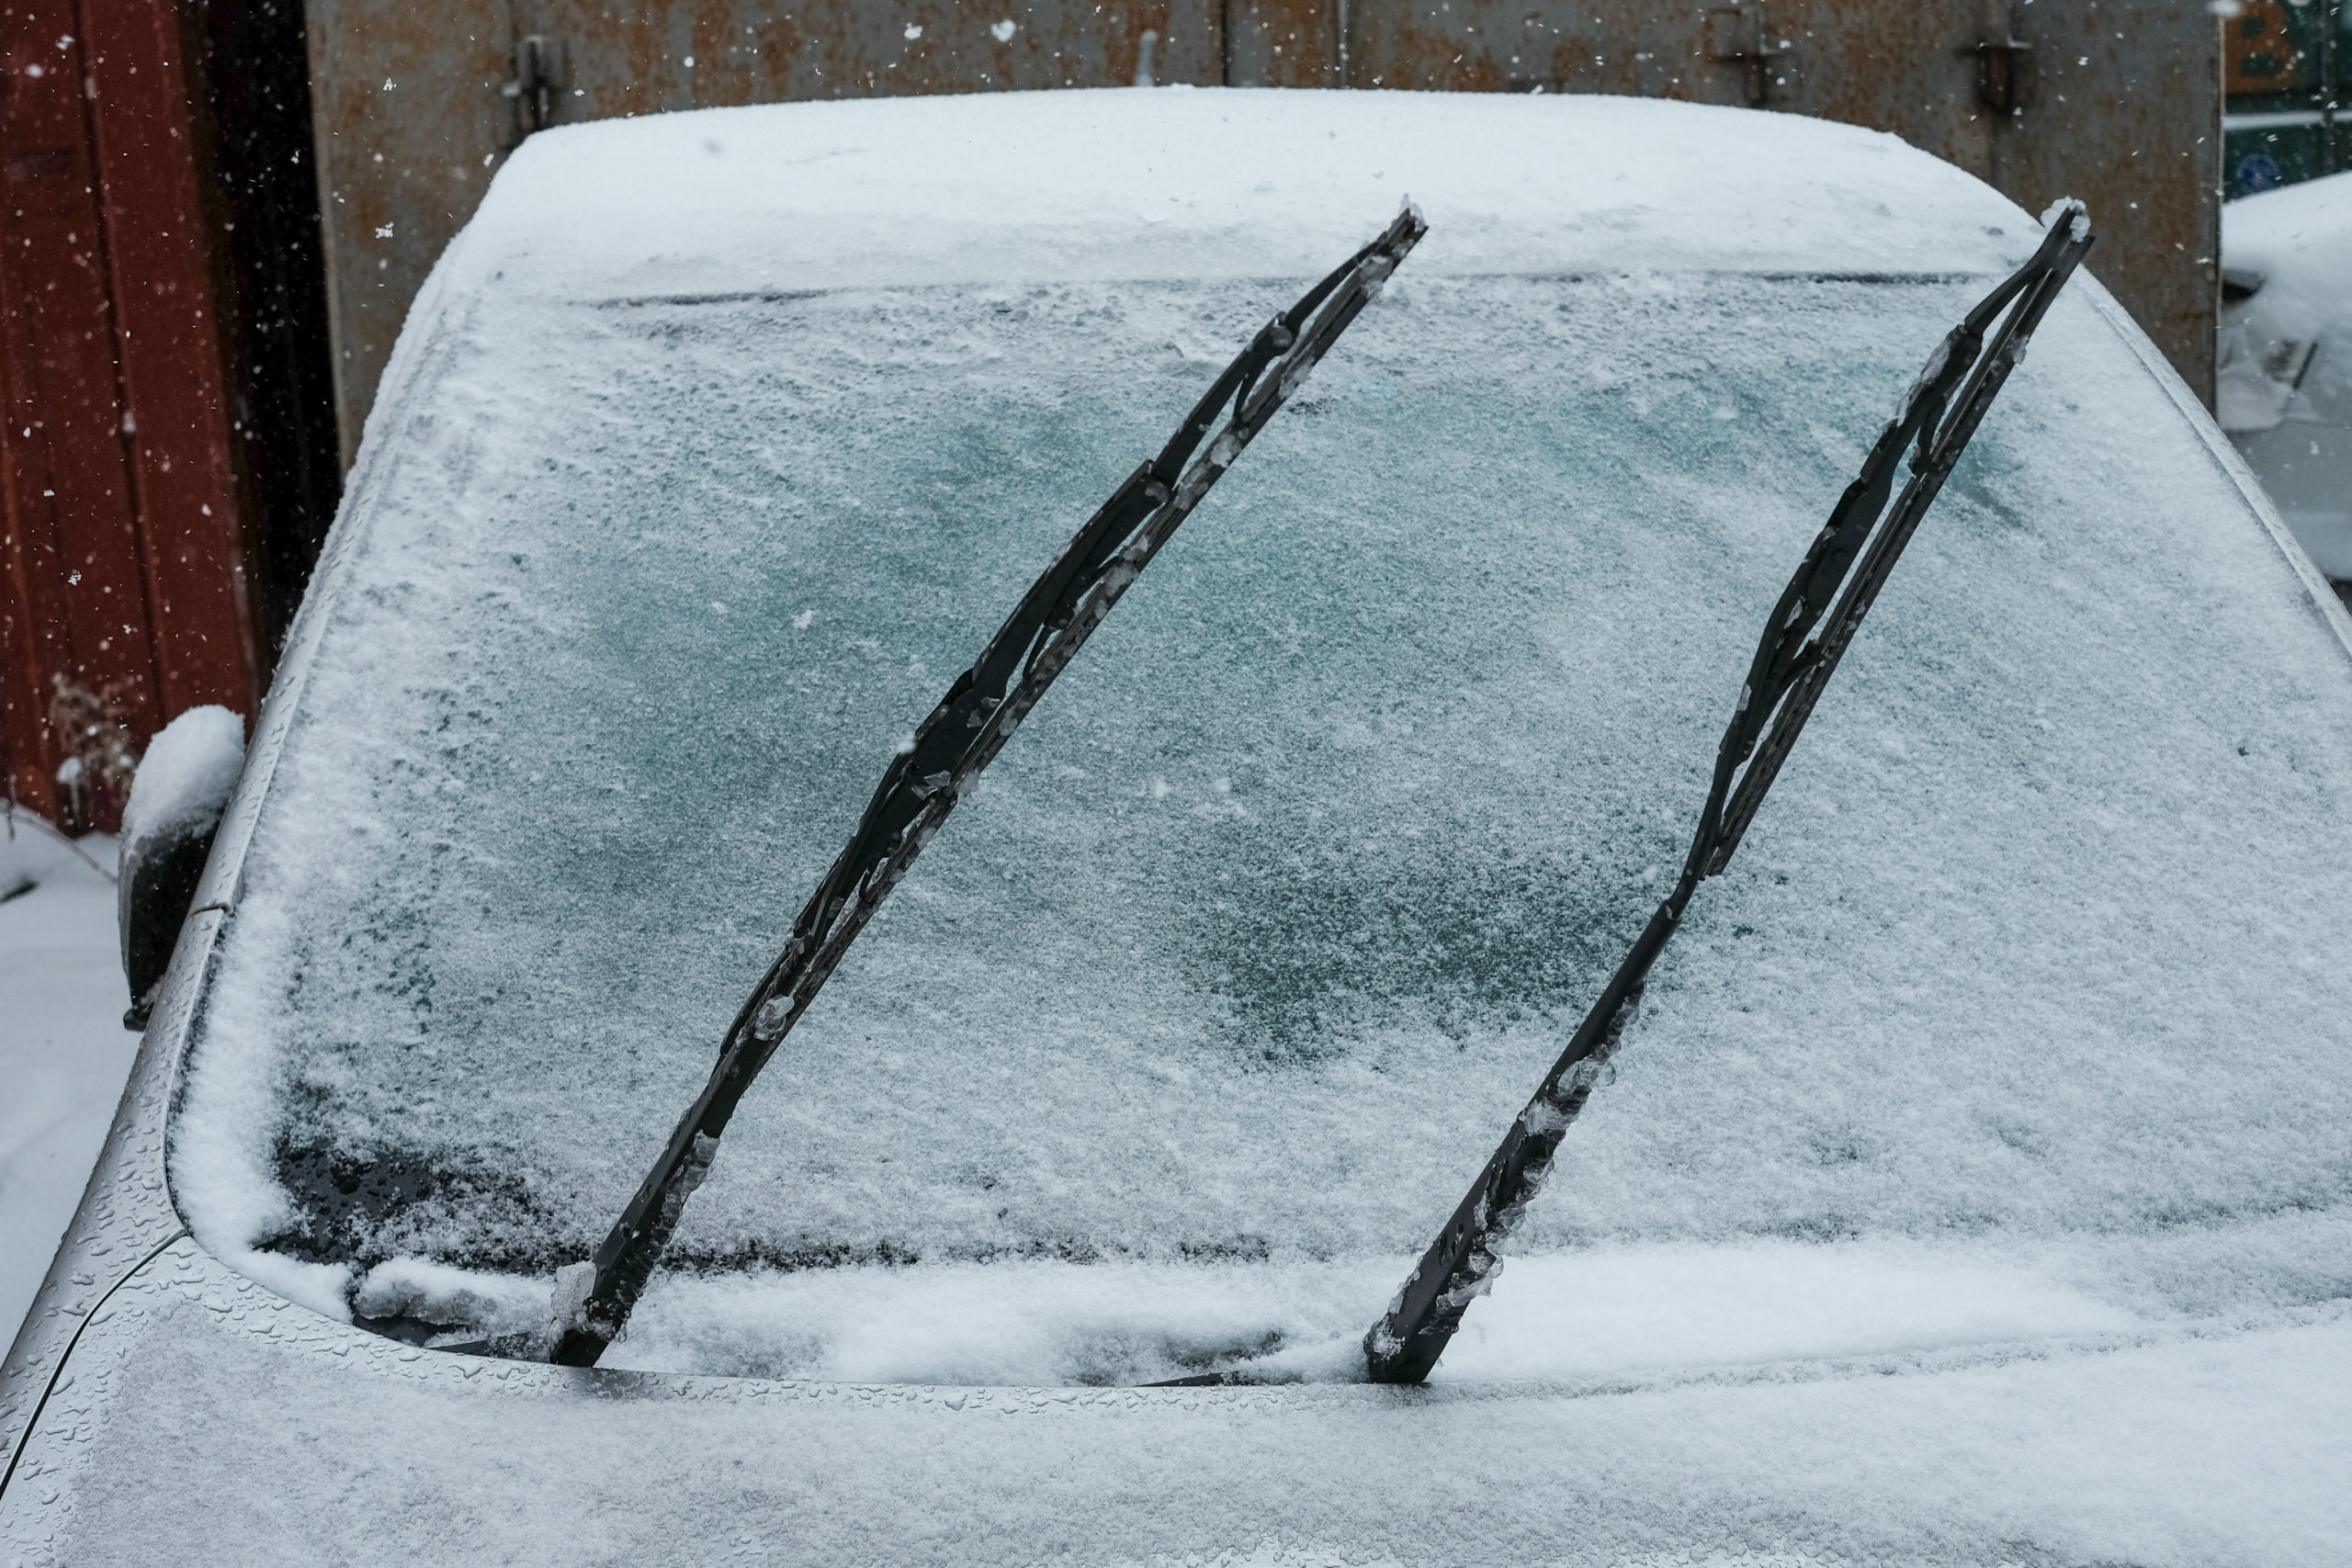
64, 1052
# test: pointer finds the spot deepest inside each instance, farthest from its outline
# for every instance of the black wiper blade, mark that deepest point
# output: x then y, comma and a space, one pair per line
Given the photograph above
962, 736
1808, 633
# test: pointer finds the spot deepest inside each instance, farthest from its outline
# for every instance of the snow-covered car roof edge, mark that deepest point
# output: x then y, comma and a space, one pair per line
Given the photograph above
129, 1215
1009, 188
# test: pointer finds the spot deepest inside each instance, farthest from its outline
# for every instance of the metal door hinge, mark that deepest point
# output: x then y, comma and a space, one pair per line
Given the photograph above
2000, 69
1738, 34
539, 82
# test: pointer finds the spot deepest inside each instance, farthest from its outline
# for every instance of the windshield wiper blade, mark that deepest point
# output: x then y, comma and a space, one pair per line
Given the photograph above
962, 736
1808, 633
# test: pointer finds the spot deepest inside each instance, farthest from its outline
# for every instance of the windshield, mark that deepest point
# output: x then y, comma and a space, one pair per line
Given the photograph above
1200, 1012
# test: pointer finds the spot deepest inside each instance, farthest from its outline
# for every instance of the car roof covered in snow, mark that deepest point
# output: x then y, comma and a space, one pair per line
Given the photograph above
2301, 234
1966, 1192
1057, 187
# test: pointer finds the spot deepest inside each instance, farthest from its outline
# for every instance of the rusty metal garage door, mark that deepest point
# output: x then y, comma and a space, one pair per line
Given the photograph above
2118, 101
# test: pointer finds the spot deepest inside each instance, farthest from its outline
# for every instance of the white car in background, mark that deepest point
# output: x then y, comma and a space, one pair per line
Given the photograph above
1975, 1183
2285, 384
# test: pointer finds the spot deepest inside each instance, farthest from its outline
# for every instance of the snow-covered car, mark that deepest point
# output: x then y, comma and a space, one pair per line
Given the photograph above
2285, 381
1974, 1184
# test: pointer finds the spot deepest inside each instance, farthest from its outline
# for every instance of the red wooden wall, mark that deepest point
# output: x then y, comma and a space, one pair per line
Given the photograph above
123, 559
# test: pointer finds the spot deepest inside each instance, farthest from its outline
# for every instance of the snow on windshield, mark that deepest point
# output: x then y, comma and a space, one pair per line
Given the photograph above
1198, 1018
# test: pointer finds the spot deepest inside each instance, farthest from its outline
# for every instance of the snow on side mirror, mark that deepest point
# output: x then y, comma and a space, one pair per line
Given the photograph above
177, 795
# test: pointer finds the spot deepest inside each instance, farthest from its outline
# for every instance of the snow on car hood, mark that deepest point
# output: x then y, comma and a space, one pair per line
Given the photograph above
676, 513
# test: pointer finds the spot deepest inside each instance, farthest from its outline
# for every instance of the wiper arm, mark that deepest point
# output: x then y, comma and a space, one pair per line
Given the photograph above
962, 736
1810, 627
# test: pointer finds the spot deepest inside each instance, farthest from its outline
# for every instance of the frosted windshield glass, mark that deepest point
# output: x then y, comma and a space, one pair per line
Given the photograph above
1267, 921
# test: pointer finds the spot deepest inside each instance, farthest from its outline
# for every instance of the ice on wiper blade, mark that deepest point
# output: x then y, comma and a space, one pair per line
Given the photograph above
946, 753
1810, 627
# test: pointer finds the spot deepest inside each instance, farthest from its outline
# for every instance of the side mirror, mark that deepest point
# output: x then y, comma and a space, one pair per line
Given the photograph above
177, 795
